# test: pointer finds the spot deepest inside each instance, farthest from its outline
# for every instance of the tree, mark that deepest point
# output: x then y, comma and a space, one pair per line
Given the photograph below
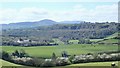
64, 54
22, 53
16, 53
5, 56
54, 56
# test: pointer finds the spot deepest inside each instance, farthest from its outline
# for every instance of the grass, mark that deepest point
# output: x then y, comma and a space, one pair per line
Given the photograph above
110, 41
90, 65
58, 41
6, 63
95, 64
74, 41
112, 36
95, 40
46, 51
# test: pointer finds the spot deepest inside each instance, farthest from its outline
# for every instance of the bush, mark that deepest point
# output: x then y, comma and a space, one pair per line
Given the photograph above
48, 64
62, 61
71, 58
6, 56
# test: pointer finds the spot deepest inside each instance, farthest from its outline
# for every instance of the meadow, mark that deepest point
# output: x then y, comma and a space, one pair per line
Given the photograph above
71, 49
6, 63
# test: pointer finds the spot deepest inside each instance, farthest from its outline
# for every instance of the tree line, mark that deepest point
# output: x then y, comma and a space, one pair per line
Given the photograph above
21, 57
64, 32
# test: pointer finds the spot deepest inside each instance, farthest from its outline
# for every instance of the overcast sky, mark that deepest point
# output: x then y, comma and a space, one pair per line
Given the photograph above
93, 11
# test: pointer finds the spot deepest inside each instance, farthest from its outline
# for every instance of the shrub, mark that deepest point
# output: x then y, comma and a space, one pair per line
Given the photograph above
62, 61
48, 64
6, 56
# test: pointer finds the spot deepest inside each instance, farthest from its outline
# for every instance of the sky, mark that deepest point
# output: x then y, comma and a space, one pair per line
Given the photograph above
92, 11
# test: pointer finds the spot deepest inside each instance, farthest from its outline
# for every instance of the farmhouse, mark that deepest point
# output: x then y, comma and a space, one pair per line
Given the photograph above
23, 40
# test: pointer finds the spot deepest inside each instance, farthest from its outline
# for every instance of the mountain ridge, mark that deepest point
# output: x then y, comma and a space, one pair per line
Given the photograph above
44, 22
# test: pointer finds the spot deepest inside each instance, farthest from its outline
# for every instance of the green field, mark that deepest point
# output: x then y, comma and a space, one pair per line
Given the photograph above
77, 49
93, 65
95, 40
6, 63
109, 39
46, 51
74, 41
112, 36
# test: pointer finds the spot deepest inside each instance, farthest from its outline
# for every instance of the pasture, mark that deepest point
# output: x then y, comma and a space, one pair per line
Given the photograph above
6, 63
46, 51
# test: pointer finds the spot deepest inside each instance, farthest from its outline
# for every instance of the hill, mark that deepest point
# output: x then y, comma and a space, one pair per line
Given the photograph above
18, 25
112, 36
111, 39
63, 32
71, 22
44, 22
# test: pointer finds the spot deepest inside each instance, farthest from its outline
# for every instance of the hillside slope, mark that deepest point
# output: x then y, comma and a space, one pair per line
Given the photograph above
112, 39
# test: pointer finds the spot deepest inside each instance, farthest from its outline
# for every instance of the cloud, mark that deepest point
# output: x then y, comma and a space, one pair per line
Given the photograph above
24, 14
79, 12
99, 13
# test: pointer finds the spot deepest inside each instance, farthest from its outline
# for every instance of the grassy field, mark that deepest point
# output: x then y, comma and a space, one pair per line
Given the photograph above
110, 39
58, 41
6, 63
46, 51
112, 36
93, 65
74, 41
95, 40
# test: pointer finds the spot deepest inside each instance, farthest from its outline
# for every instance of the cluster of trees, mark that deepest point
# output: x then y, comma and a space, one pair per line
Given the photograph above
13, 41
28, 44
5, 56
20, 57
64, 32
20, 53
83, 41
99, 57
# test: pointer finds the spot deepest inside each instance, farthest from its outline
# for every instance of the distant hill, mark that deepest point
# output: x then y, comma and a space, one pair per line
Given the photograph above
71, 22
44, 22
67, 31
